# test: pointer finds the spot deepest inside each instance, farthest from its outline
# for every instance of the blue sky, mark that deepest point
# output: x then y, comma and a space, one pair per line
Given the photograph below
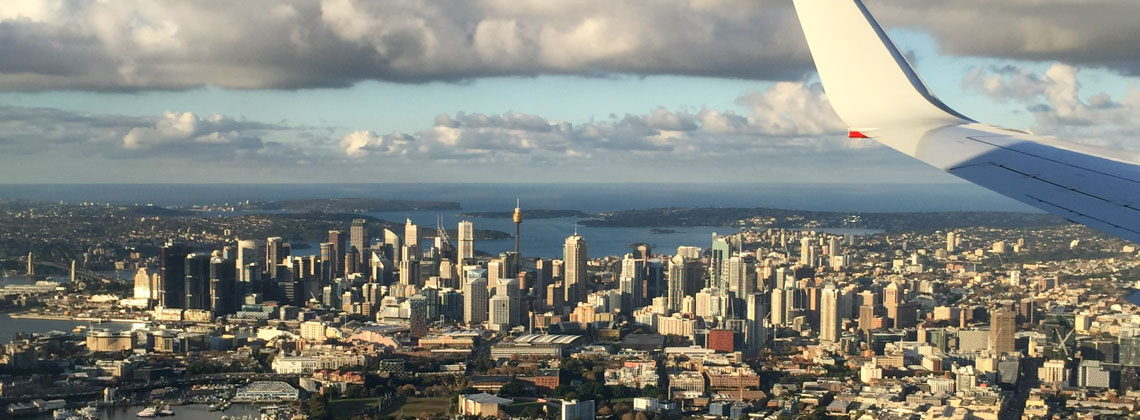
704, 91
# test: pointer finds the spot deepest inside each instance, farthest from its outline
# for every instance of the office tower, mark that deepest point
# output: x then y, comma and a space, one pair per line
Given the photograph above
951, 241
756, 310
418, 316
631, 281
197, 281
1003, 326
250, 251
223, 286
543, 277
718, 261
778, 306
866, 317
741, 275
654, 279
517, 218
805, 252
782, 277
411, 238
466, 241
833, 247
172, 275
499, 313
512, 263
475, 301
274, 253
359, 238
339, 241
684, 280
351, 261
510, 288
829, 320
891, 300
574, 281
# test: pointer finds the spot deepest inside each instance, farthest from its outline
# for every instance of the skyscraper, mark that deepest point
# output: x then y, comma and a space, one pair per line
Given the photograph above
250, 251
411, 238
223, 286
778, 310
829, 319
466, 241
274, 253
756, 309
806, 252
1003, 326
631, 282
172, 275
475, 300
574, 280
359, 239
684, 280
197, 281
339, 241
718, 260
418, 316
951, 241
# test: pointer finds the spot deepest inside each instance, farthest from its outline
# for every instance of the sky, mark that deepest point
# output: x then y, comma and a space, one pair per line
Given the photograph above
256, 91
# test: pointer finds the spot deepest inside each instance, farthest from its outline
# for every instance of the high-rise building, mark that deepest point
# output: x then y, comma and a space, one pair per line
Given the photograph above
223, 286
829, 320
250, 251
779, 301
359, 239
631, 282
951, 241
274, 253
339, 241
684, 280
172, 275
718, 262
806, 252
466, 241
499, 314
418, 316
756, 310
475, 300
574, 281
411, 237
1003, 326
197, 281
892, 297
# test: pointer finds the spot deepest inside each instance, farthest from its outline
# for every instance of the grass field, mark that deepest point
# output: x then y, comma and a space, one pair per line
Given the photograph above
345, 409
420, 407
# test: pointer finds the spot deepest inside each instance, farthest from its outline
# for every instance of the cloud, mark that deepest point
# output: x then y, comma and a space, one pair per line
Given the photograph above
791, 118
1087, 33
1056, 101
260, 44
179, 135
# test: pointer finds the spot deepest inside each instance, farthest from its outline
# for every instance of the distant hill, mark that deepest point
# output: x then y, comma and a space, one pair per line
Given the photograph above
779, 218
351, 205
527, 214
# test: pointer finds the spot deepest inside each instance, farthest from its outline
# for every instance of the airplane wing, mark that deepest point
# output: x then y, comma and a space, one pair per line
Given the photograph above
877, 93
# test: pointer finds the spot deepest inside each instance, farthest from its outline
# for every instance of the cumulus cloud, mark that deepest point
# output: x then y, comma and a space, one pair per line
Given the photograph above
786, 118
1097, 32
1058, 107
182, 135
166, 44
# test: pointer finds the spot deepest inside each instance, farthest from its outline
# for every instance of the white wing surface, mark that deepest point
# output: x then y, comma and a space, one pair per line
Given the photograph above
878, 95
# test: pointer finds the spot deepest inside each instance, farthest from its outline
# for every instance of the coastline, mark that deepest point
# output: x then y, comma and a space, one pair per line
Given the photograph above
71, 318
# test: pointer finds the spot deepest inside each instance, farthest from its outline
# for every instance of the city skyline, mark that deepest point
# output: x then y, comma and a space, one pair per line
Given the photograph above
729, 83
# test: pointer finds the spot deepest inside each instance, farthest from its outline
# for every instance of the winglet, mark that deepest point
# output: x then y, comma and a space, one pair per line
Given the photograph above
868, 81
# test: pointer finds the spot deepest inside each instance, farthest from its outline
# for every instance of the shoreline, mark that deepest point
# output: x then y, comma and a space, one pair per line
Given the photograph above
72, 318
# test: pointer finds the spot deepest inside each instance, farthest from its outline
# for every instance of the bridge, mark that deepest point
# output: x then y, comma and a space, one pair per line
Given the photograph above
76, 273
